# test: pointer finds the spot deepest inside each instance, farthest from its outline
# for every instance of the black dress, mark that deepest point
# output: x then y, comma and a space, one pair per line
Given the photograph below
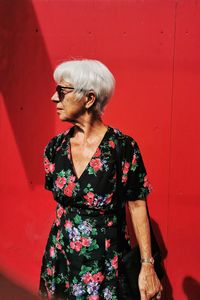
81, 257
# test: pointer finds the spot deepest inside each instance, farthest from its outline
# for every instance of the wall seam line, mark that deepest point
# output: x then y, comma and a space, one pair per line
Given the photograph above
171, 127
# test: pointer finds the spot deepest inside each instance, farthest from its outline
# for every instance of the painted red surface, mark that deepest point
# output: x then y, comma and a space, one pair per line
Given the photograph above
153, 49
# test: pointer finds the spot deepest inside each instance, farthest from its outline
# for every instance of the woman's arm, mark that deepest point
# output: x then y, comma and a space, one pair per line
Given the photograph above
149, 283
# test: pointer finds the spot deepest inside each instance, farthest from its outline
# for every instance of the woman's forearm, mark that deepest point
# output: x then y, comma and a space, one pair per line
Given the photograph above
141, 227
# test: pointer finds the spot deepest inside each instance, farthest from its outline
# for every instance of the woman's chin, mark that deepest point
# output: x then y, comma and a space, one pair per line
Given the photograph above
64, 118
60, 113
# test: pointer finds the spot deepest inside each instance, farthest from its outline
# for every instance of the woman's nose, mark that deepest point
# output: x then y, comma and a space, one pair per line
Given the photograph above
55, 97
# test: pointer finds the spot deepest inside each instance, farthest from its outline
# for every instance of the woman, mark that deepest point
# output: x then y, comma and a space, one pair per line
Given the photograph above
81, 256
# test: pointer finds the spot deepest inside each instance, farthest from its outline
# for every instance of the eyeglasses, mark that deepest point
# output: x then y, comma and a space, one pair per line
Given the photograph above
61, 91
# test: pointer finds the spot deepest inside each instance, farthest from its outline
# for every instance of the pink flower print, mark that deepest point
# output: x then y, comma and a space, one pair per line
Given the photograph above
58, 246
94, 297
78, 246
98, 277
110, 223
46, 161
134, 160
68, 190
85, 241
115, 175
68, 224
52, 252
87, 278
96, 164
60, 182
58, 148
57, 222
109, 198
67, 285
49, 271
107, 243
98, 152
49, 167
147, 183
72, 245
124, 178
125, 170
60, 211
111, 144
125, 167
69, 153
114, 262
89, 197
58, 235
72, 178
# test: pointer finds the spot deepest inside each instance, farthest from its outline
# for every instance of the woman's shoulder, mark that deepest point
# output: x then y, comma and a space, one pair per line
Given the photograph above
126, 139
57, 140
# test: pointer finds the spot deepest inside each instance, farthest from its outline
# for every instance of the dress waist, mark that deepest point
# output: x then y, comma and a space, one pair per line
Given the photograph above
87, 211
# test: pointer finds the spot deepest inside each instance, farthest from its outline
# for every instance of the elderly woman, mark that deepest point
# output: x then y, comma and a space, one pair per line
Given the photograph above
81, 258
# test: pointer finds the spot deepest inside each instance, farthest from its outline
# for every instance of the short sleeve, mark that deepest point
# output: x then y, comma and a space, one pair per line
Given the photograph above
134, 175
49, 165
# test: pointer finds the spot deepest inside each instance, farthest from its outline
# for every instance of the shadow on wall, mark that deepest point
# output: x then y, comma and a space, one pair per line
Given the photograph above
191, 288
11, 291
167, 287
26, 75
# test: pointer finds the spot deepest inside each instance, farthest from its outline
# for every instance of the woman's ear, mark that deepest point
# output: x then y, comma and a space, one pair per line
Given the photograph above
90, 99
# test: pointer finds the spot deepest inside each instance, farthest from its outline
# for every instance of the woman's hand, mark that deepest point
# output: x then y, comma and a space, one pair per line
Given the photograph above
149, 284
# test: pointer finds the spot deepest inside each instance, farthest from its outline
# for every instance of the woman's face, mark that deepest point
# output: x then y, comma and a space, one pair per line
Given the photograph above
68, 107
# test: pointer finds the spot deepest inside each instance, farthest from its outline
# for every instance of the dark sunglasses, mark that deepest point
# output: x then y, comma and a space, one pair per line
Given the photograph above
61, 91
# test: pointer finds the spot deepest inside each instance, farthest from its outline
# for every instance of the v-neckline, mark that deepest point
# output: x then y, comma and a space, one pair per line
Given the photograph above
70, 153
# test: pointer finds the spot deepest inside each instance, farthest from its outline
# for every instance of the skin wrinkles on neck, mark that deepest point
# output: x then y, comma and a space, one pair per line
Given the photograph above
86, 132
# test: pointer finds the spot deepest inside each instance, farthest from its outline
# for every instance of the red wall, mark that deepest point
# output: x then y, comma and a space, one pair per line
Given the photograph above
153, 49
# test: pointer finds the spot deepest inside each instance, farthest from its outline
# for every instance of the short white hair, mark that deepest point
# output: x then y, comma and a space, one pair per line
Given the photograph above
88, 75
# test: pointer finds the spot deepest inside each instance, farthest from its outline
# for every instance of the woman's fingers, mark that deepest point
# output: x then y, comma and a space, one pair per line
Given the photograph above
143, 295
149, 283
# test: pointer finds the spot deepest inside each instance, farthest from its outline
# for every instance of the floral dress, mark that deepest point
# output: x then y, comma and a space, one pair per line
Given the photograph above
81, 257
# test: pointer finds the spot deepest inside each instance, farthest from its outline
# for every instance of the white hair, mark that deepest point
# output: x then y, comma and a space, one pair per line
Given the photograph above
88, 75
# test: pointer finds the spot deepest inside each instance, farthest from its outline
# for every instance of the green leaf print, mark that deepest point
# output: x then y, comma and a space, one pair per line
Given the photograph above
83, 250
61, 236
84, 269
133, 167
141, 177
94, 231
62, 173
68, 173
75, 280
77, 219
80, 297
95, 268
54, 239
91, 171
60, 241
93, 245
58, 280
88, 189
